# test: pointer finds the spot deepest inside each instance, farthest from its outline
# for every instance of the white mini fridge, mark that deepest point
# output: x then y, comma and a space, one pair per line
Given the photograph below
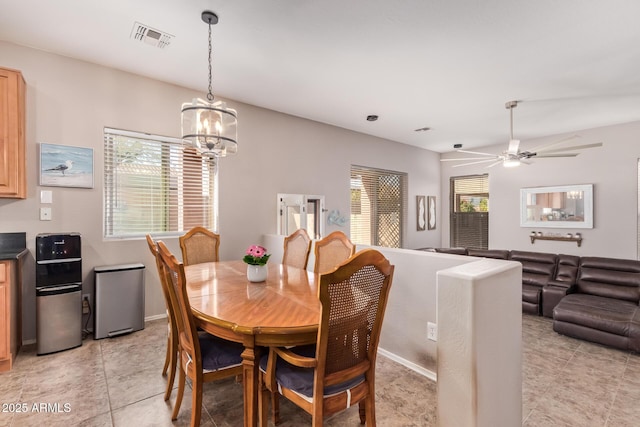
119, 300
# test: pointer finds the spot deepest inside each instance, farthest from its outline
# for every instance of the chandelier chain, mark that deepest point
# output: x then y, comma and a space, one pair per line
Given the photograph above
210, 94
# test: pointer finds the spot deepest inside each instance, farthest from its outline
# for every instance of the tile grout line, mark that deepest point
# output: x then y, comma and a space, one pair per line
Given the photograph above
555, 378
615, 396
549, 385
106, 381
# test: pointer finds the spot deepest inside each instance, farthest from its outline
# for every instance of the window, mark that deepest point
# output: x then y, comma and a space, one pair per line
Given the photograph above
378, 206
469, 216
153, 184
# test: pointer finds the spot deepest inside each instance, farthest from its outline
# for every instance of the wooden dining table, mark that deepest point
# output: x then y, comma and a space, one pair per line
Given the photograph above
284, 310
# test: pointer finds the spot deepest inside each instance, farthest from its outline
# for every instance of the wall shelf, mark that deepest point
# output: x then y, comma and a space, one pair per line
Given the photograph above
577, 239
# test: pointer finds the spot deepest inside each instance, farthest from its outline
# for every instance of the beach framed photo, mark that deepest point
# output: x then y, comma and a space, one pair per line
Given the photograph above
66, 166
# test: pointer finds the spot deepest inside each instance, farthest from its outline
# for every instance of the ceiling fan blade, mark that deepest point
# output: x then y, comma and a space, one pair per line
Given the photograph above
474, 163
574, 147
557, 155
463, 158
560, 141
514, 144
495, 163
475, 152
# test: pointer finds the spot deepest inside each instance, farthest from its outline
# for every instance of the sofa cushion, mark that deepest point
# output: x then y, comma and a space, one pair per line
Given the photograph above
595, 312
455, 251
537, 267
634, 333
609, 277
567, 269
531, 293
489, 253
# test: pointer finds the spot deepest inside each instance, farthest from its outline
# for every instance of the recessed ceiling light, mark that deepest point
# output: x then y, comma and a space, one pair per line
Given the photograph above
424, 129
372, 118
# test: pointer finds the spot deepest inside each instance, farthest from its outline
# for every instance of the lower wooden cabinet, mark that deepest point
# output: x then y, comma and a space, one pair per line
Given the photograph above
10, 313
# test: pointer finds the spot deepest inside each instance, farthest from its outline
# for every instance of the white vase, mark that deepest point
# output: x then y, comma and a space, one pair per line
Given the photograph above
257, 273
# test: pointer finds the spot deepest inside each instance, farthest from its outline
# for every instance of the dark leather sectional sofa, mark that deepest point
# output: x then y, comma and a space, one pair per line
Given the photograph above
591, 298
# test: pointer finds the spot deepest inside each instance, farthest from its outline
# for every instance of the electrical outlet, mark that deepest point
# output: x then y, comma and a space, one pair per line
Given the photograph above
45, 214
432, 331
85, 303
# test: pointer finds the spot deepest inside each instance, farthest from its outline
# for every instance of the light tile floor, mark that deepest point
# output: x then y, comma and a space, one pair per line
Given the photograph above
117, 382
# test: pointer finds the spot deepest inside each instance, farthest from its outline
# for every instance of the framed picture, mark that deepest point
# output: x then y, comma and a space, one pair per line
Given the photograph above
421, 212
431, 219
66, 166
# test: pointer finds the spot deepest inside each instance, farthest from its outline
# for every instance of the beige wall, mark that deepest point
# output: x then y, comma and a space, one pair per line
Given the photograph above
612, 169
69, 102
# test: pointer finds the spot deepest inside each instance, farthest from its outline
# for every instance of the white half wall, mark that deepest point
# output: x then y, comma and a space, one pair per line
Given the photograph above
480, 344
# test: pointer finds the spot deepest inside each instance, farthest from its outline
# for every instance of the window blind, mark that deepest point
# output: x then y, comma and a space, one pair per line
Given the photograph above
154, 184
469, 211
378, 206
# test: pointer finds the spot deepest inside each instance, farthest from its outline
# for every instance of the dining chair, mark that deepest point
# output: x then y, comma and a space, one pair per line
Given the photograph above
339, 370
203, 357
171, 358
296, 249
199, 245
332, 251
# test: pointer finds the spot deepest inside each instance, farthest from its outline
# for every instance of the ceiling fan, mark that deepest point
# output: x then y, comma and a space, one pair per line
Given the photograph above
512, 156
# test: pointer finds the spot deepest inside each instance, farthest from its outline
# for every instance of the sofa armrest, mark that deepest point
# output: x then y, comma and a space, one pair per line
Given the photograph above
552, 293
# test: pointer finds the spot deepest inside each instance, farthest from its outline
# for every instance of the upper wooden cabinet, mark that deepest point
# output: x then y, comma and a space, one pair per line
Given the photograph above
13, 176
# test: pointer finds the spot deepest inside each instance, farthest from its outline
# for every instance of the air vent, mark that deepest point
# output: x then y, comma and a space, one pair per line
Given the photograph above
151, 36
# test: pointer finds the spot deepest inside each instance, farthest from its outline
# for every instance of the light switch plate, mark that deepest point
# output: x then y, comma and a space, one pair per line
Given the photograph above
45, 214
46, 196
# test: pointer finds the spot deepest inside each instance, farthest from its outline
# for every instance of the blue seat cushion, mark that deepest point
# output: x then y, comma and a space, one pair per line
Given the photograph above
218, 353
299, 379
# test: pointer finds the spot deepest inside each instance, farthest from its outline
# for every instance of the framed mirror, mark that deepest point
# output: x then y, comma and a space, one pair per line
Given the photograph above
569, 206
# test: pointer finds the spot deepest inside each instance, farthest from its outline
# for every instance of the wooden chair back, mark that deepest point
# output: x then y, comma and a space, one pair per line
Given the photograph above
354, 298
170, 304
199, 245
172, 339
297, 247
332, 251
222, 358
187, 333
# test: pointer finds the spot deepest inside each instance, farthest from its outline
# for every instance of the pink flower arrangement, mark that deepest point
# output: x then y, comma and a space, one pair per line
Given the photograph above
256, 255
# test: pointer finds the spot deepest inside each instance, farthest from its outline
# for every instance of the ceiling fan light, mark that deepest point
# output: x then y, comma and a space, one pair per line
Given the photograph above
511, 163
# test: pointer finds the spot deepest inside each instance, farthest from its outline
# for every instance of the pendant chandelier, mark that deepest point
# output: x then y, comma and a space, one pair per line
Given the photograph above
210, 127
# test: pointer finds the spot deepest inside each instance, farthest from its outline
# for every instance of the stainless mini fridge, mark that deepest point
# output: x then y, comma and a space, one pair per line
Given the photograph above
119, 300
58, 292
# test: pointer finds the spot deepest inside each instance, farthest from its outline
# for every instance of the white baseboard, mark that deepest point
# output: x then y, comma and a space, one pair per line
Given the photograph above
404, 362
155, 317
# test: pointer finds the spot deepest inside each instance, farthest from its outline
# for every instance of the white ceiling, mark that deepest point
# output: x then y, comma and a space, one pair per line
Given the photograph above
449, 65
